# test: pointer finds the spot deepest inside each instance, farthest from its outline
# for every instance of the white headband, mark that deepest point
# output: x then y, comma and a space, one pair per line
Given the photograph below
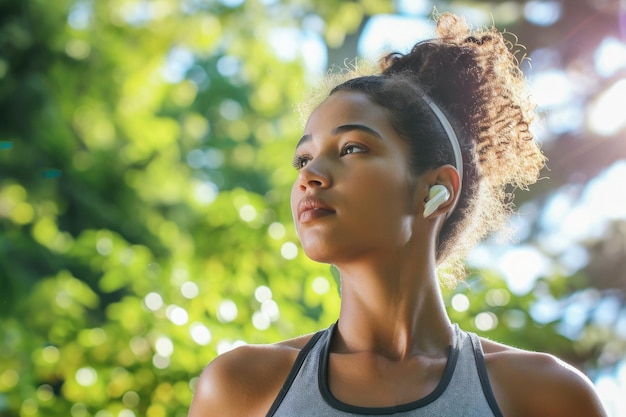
454, 141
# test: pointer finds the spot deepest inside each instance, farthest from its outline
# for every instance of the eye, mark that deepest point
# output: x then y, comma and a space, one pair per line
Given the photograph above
352, 148
300, 161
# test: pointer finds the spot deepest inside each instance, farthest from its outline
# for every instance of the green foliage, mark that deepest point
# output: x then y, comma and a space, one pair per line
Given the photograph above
141, 210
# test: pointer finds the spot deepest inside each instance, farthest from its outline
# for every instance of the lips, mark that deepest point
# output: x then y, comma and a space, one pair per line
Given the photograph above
311, 208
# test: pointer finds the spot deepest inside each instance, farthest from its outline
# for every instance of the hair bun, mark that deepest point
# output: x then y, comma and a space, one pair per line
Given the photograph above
451, 28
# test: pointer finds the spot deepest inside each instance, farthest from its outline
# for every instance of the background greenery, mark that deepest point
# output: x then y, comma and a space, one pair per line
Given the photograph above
145, 154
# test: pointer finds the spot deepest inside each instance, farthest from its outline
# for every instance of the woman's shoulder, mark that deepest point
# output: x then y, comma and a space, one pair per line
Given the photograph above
245, 380
530, 384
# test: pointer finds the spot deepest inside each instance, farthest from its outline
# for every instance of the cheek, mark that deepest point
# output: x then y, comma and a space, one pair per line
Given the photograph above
389, 186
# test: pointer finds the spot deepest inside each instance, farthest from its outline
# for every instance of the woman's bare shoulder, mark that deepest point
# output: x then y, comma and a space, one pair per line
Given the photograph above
538, 384
245, 380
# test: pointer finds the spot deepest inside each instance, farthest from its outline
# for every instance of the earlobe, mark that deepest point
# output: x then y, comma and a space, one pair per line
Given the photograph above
437, 195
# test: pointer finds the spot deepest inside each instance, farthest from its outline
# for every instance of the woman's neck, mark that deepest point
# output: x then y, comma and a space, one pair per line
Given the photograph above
396, 311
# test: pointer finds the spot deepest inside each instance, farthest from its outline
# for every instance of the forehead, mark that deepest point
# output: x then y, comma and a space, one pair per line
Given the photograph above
345, 107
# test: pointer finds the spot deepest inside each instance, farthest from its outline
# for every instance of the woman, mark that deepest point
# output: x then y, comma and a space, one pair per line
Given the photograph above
398, 173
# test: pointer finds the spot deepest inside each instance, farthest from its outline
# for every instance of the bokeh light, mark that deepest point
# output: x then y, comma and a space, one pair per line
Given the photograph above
289, 250
320, 285
86, 376
460, 302
486, 321
153, 301
227, 311
606, 114
200, 333
263, 293
542, 12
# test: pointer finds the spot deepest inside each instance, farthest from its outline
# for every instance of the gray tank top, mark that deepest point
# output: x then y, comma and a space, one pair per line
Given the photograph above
464, 389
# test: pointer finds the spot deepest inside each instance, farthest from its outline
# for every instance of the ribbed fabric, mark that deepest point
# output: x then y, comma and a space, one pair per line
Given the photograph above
463, 391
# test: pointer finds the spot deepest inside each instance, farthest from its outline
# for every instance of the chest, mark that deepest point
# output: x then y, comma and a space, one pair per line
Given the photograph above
372, 381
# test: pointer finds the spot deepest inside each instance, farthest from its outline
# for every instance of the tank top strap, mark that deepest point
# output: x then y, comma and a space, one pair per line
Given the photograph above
317, 340
481, 369
470, 384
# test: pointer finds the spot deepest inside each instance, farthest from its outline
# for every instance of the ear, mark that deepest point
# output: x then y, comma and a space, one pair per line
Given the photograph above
443, 192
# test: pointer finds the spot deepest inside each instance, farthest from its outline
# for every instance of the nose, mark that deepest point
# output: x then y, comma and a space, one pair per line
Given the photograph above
316, 174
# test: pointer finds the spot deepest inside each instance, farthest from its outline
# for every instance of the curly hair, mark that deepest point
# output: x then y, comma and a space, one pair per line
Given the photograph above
474, 77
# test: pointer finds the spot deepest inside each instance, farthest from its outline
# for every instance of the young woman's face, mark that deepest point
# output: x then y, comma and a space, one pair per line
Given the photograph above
354, 193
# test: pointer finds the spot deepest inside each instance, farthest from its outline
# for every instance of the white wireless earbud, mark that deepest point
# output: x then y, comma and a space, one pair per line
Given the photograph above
437, 195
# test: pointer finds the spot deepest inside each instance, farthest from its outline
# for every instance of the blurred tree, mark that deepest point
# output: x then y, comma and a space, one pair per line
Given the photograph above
144, 182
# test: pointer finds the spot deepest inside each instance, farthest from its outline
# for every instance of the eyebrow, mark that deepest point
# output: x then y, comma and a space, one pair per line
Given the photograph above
343, 129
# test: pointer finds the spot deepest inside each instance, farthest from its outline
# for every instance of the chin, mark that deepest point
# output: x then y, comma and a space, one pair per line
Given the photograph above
317, 255
332, 254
